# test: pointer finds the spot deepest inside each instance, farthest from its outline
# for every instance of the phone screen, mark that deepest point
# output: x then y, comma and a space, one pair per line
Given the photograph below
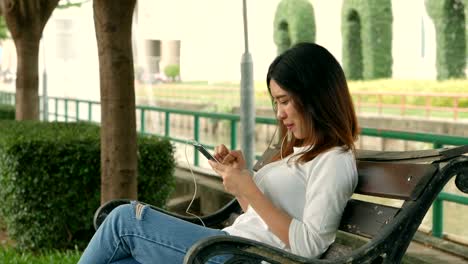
203, 151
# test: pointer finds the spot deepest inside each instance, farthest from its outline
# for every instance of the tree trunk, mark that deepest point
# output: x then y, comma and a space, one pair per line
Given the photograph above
113, 23
27, 80
26, 20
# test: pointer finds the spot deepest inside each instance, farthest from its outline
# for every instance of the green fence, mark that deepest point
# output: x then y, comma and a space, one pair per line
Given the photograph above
62, 106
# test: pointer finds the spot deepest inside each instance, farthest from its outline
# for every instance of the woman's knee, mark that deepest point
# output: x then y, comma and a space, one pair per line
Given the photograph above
121, 211
132, 210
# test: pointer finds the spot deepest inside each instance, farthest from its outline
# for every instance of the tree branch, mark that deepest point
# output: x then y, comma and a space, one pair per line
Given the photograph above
47, 7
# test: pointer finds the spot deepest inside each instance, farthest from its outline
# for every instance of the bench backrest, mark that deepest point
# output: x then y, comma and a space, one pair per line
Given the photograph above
387, 179
403, 181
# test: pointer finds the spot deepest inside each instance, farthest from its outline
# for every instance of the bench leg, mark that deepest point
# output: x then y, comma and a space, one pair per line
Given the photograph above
104, 210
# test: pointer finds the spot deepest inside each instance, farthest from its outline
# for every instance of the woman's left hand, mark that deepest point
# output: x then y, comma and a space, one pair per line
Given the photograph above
236, 181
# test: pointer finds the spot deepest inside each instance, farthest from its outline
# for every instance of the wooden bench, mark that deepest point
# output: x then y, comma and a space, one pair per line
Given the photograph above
415, 177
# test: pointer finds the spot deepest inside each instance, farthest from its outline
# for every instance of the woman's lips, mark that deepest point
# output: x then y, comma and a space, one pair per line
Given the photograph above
289, 126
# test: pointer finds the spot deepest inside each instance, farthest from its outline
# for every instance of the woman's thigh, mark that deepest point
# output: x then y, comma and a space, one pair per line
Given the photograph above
154, 237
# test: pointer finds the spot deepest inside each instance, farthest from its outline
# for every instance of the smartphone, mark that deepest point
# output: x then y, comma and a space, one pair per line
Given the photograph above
203, 151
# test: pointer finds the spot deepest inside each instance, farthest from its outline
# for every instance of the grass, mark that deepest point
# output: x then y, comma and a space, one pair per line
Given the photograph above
414, 112
428, 86
9, 255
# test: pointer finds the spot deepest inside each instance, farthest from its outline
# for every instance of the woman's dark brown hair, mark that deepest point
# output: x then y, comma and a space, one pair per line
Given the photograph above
317, 85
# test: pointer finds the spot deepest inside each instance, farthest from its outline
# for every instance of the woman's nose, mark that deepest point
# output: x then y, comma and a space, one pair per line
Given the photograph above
280, 114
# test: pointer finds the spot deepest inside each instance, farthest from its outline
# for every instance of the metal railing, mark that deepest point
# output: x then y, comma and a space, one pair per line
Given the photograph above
437, 141
403, 107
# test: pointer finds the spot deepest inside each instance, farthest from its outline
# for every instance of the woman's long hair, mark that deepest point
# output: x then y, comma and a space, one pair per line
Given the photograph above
317, 85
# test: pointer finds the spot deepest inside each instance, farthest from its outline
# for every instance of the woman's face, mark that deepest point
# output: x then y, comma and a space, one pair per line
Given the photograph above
286, 111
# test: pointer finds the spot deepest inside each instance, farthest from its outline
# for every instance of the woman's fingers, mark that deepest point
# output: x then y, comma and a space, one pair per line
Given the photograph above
237, 154
234, 155
218, 167
228, 159
239, 158
220, 152
218, 157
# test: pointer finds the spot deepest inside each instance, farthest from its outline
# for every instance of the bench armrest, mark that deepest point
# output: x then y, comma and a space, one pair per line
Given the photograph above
241, 249
213, 220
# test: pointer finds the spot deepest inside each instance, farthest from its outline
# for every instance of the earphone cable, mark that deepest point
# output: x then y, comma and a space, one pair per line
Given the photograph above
195, 186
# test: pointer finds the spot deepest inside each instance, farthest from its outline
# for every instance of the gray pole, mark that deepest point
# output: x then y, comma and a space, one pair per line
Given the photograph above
45, 105
247, 111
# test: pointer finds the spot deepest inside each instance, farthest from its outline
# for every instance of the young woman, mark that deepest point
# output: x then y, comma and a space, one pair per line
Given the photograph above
295, 202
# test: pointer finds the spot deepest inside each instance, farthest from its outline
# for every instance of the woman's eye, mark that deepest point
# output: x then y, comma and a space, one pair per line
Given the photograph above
281, 102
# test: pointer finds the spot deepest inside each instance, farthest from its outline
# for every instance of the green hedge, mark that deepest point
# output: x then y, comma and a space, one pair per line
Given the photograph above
50, 180
294, 22
7, 112
449, 18
366, 28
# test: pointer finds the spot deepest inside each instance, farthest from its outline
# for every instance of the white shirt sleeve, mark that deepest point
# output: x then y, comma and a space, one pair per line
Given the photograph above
331, 180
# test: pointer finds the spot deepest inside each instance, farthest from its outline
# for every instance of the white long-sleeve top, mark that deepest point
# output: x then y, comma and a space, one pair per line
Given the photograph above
314, 194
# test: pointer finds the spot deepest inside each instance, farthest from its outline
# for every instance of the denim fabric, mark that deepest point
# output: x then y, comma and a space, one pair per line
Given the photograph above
137, 234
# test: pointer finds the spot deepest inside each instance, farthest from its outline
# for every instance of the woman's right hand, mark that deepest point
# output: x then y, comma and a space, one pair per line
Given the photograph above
233, 158
221, 151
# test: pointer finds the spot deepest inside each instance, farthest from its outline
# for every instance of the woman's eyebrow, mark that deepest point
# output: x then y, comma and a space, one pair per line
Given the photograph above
279, 96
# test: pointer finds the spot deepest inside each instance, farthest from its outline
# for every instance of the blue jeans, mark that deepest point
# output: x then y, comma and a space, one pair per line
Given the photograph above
134, 233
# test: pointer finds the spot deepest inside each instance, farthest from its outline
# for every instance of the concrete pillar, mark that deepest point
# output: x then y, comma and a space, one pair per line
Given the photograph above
170, 53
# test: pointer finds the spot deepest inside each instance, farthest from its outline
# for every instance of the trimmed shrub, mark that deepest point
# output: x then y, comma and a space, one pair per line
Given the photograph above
294, 23
366, 29
156, 165
7, 112
3, 28
50, 180
449, 18
172, 71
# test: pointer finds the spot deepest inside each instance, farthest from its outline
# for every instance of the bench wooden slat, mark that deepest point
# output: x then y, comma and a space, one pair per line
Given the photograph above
426, 156
403, 181
378, 155
365, 218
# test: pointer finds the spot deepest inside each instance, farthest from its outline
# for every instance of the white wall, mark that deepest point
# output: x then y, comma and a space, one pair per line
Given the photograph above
410, 60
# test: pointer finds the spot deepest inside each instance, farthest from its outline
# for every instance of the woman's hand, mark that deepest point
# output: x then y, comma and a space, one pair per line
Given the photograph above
232, 163
236, 179
234, 157
221, 152
238, 182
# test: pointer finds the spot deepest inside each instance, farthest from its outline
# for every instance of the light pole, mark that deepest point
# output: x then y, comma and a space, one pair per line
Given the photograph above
247, 111
45, 105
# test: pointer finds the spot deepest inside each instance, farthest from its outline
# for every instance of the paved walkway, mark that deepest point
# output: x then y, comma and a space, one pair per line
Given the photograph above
421, 254
425, 249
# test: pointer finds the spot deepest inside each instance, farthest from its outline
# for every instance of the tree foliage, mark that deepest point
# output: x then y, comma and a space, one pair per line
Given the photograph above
3, 29
70, 3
